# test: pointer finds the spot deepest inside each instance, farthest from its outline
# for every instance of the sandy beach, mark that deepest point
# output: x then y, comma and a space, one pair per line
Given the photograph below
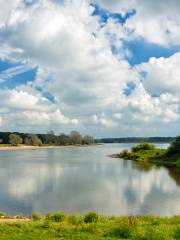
14, 148
25, 147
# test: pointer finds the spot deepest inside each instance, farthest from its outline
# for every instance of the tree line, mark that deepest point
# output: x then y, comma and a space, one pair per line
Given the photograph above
136, 140
50, 138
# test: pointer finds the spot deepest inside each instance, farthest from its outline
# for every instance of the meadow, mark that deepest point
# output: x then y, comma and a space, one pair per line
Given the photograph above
89, 227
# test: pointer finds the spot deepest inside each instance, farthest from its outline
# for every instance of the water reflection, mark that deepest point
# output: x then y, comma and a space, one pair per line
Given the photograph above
173, 171
82, 179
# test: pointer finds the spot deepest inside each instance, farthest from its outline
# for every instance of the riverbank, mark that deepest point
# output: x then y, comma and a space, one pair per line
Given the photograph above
26, 147
156, 156
90, 226
146, 152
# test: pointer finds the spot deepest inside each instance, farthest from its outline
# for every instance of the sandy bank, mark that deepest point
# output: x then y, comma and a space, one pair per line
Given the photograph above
24, 147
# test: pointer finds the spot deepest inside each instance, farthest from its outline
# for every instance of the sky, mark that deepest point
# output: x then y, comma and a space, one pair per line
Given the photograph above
105, 68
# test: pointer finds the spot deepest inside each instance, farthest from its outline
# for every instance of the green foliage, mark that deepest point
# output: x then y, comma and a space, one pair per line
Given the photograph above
125, 154
178, 163
90, 217
56, 217
177, 233
122, 231
48, 138
143, 146
106, 228
148, 152
36, 216
48, 216
3, 214
145, 155
20, 216
174, 148
75, 219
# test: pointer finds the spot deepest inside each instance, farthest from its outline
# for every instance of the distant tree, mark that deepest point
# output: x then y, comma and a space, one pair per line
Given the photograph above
15, 139
63, 139
174, 147
50, 138
75, 138
33, 140
88, 139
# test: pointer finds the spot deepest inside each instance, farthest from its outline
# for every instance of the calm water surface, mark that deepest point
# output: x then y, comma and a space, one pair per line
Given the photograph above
80, 179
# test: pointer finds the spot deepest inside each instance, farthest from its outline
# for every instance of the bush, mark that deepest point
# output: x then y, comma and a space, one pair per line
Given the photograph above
123, 231
177, 233
36, 216
174, 147
56, 217
143, 146
3, 214
178, 163
124, 154
75, 220
20, 216
90, 217
48, 216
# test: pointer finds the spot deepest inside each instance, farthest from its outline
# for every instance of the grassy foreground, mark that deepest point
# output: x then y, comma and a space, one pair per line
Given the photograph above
90, 226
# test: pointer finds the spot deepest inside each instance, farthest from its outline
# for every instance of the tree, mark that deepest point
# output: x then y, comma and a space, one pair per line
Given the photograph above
174, 147
63, 139
15, 139
88, 139
75, 137
50, 138
33, 140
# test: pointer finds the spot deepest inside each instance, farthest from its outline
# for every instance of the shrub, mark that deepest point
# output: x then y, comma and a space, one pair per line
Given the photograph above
20, 216
75, 220
174, 147
3, 214
56, 217
124, 154
122, 231
178, 163
90, 217
36, 216
143, 146
48, 216
177, 233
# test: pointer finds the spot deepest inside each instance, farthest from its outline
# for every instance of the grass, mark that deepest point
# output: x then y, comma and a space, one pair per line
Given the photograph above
75, 227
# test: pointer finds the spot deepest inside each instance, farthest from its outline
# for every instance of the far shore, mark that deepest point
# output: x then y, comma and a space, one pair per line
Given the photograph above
26, 147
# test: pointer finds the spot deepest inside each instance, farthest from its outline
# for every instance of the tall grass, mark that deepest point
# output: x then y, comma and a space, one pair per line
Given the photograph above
90, 227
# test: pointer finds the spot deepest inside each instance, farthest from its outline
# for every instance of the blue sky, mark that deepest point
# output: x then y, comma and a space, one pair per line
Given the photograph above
92, 63
142, 51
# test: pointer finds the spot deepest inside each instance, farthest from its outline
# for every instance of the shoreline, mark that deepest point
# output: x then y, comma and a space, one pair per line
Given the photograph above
25, 147
155, 162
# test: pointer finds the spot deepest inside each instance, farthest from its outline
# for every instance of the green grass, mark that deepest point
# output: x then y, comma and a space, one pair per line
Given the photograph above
109, 228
